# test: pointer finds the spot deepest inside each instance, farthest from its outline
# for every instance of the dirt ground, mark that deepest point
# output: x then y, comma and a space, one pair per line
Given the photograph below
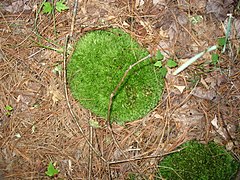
40, 122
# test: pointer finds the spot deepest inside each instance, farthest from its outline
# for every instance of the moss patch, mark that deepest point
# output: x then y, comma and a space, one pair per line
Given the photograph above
198, 161
97, 65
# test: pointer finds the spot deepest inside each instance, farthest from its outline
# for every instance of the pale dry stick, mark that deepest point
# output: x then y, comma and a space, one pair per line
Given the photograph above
90, 153
110, 106
74, 16
119, 84
145, 157
68, 101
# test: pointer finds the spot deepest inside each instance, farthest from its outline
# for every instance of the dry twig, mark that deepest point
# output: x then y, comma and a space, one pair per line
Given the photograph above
74, 16
119, 84
110, 105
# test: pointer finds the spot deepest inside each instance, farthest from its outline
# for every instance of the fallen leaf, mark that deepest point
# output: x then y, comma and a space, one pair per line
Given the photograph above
219, 8
17, 6
214, 122
139, 3
188, 114
237, 26
229, 146
55, 93
180, 88
204, 93
219, 130
18, 135
158, 116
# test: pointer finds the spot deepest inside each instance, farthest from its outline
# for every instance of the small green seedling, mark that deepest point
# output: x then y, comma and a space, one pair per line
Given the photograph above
48, 7
51, 171
196, 19
158, 64
159, 56
221, 41
163, 70
94, 123
8, 108
171, 63
57, 70
215, 59
60, 6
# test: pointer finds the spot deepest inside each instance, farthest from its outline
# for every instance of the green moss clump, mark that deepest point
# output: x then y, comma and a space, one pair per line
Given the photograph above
97, 65
200, 162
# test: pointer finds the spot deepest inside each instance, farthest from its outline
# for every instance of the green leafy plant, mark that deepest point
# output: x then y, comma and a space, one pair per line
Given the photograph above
98, 64
158, 64
196, 19
51, 170
159, 56
8, 108
163, 70
57, 69
171, 63
60, 6
215, 58
198, 161
221, 41
49, 7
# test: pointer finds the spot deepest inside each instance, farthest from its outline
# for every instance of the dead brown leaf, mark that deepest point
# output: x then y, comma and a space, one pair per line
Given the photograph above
204, 93
220, 8
55, 94
237, 26
17, 6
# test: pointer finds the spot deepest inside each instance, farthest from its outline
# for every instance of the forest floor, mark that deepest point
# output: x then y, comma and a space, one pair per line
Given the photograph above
41, 123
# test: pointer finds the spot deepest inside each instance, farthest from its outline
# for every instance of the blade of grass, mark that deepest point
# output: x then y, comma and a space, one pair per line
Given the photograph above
227, 32
193, 59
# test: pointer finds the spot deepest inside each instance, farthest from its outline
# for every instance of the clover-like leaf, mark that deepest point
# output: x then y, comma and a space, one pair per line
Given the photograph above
60, 6
8, 108
51, 171
47, 8
171, 63
158, 64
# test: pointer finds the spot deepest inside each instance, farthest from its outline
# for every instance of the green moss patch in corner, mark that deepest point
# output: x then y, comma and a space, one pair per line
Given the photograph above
200, 162
96, 67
